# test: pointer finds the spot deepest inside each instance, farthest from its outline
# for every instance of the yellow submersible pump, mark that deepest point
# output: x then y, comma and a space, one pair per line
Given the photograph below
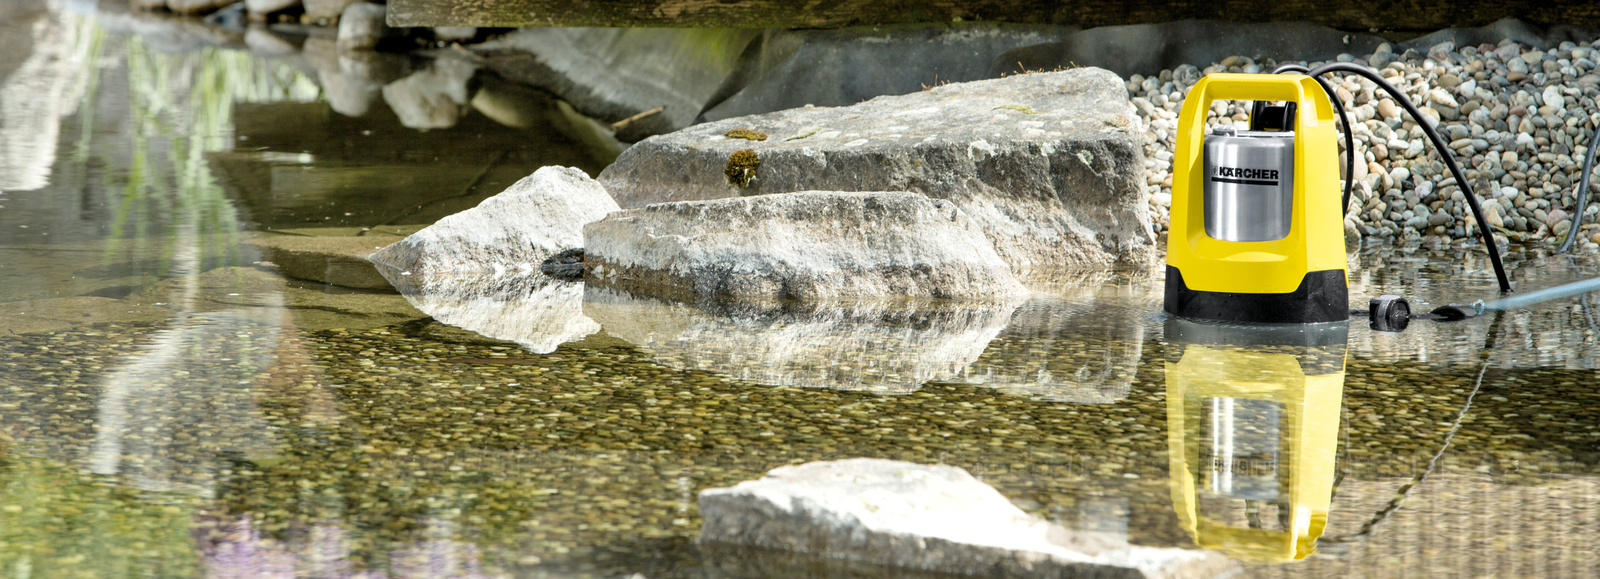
1257, 230
1257, 234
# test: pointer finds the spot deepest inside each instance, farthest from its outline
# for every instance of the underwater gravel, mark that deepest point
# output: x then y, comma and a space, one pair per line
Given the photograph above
588, 460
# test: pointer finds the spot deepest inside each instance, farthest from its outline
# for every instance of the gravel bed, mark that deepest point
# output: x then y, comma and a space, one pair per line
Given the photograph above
1518, 119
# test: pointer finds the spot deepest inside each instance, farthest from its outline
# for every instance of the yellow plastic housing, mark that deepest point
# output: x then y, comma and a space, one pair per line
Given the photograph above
1316, 232
1310, 441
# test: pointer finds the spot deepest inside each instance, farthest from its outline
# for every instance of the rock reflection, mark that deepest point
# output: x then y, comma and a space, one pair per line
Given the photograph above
535, 311
1252, 429
168, 414
885, 347
41, 82
905, 515
1082, 349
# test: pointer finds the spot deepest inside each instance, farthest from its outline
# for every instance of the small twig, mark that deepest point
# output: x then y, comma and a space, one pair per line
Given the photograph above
619, 125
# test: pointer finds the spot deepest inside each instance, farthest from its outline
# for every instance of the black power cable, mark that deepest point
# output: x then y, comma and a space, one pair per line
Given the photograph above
1583, 193
1433, 137
1349, 138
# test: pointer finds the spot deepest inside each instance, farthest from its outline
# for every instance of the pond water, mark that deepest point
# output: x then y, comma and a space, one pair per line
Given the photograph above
171, 404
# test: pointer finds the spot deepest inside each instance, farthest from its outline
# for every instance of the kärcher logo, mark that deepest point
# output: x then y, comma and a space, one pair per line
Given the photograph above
1246, 176
1247, 173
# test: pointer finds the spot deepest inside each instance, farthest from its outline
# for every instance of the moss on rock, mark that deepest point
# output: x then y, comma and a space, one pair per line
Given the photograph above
742, 133
742, 167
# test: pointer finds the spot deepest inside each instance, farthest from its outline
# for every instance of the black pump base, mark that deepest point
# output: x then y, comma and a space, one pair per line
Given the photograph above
1321, 297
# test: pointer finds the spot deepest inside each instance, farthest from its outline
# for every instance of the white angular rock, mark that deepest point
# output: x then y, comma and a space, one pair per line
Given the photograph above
513, 231
807, 245
929, 517
1049, 165
886, 347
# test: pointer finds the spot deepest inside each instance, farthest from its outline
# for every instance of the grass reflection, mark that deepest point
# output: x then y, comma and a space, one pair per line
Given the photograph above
180, 107
58, 522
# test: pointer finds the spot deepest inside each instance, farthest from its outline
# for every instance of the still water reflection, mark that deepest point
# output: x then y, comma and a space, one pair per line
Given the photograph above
173, 404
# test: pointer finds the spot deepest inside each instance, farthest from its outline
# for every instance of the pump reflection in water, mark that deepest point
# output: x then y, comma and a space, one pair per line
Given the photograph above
1253, 425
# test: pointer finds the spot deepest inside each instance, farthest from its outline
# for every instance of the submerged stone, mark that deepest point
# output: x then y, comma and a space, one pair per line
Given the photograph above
928, 517
333, 260
513, 231
1049, 165
882, 346
808, 245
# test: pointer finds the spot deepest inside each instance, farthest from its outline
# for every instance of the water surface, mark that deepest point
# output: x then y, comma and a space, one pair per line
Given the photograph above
172, 404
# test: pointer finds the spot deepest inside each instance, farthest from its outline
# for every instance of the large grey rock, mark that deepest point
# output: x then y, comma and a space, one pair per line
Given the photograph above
808, 245
514, 231
529, 308
1050, 165
928, 517
887, 347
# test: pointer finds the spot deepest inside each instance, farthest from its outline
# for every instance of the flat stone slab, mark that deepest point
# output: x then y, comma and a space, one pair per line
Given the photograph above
885, 347
1049, 165
807, 245
539, 216
334, 260
928, 517
57, 314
